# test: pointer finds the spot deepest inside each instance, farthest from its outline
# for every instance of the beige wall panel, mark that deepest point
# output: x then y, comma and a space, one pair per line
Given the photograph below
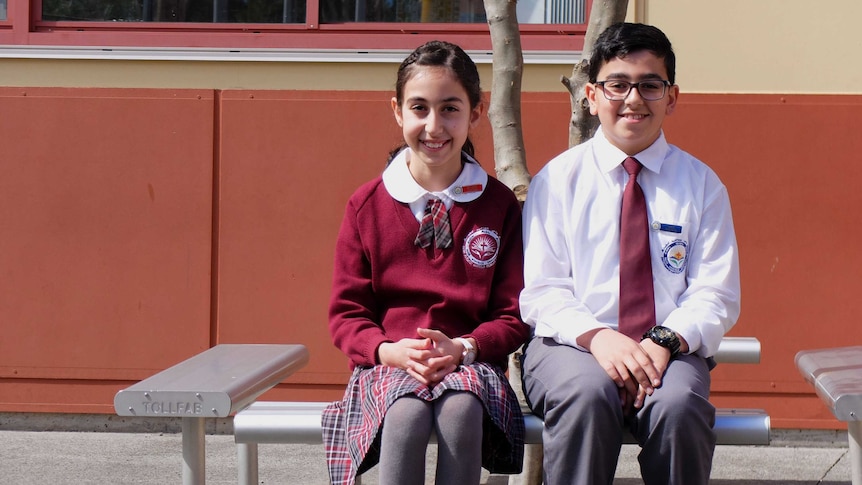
763, 46
200, 74
322, 76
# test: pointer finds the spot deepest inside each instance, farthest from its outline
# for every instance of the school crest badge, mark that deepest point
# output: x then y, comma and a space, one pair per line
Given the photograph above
674, 256
481, 247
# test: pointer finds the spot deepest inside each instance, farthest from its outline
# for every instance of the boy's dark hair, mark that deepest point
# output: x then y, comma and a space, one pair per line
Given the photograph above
438, 53
622, 39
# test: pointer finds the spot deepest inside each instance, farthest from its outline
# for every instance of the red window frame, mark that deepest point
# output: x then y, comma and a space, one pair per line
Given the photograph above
24, 27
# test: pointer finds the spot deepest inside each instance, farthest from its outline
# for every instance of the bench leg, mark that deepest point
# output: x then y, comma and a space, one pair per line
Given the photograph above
194, 451
854, 433
532, 473
247, 463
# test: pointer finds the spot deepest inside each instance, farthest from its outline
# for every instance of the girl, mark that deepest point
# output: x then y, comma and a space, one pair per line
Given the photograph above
428, 269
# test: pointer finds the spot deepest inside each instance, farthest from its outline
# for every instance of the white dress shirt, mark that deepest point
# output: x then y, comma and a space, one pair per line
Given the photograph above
572, 232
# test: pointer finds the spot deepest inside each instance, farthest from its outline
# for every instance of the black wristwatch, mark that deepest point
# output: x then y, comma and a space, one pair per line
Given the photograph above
665, 337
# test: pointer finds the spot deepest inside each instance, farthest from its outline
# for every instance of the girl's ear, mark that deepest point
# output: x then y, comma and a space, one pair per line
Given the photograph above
476, 114
396, 110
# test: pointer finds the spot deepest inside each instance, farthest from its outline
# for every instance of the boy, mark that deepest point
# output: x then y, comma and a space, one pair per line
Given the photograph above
598, 361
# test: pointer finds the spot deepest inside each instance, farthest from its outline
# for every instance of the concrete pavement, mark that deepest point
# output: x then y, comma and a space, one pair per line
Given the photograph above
68, 457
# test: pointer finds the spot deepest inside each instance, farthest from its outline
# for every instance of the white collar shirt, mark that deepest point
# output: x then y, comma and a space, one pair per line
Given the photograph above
571, 237
403, 187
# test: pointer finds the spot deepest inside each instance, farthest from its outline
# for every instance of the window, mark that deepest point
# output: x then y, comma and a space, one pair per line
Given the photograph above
547, 26
403, 11
294, 11
237, 11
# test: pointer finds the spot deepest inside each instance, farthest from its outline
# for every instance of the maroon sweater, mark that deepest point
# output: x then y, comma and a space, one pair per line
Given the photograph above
384, 286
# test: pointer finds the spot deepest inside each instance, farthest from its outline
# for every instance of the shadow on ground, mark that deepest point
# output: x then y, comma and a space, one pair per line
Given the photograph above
502, 480
636, 481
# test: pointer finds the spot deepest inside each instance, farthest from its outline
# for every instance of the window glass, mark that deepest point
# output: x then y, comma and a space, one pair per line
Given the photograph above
293, 11
2, 9
241, 11
448, 11
402, 11
552, 11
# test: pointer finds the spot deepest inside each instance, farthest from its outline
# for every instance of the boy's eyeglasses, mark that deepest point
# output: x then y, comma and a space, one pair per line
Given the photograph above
652, 90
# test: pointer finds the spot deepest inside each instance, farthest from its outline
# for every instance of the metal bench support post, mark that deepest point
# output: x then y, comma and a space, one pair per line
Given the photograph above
247, 463
194, 451
854, 433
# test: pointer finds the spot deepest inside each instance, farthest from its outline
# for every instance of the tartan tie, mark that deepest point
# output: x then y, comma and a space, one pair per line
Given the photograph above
435, 226
637, 297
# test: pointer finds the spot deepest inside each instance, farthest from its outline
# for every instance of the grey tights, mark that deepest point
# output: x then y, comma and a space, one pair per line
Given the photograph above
457, 419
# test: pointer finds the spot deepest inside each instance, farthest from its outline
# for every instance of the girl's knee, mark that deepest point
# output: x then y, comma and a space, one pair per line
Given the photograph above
408, 413
462, 408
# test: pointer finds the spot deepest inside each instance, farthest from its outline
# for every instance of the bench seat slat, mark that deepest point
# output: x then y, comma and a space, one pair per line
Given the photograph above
297, 422
738, 350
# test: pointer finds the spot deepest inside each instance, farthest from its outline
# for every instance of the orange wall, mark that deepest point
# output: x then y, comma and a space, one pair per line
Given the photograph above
140, 226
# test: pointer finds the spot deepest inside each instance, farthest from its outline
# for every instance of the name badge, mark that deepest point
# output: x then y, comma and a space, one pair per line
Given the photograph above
660, 226
466, 189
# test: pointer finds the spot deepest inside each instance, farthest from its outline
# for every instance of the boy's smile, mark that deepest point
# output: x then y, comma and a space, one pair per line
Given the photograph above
632, 124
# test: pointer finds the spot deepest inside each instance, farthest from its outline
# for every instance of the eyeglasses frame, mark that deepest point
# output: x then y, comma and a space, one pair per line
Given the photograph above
632, 85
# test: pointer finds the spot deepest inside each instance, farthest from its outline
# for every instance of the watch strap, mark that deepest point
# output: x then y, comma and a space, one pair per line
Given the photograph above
468, 356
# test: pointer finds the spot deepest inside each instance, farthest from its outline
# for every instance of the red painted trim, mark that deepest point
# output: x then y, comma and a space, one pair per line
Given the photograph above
18, 13
312, 14
28, 29
304, 39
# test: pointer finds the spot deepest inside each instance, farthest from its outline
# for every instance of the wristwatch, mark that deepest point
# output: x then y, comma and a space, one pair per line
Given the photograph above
468, 356
665, 337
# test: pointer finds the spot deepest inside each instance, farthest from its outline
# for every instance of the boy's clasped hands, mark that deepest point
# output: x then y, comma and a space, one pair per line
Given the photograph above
635, 367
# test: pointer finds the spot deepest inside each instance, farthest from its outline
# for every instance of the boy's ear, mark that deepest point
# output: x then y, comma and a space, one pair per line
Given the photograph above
396, 110
590, 93
672, 96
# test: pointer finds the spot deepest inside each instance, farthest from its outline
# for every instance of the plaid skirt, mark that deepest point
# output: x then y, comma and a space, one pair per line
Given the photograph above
352, 426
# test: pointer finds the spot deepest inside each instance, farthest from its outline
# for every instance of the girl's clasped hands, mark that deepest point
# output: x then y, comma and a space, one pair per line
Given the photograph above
428, 359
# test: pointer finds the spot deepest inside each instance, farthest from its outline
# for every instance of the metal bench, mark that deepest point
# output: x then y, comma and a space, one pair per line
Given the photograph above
836, 375
299, 422
213, 384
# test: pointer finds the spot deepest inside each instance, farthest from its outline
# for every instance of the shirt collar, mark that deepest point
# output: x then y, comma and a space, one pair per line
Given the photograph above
402, 187
609, 157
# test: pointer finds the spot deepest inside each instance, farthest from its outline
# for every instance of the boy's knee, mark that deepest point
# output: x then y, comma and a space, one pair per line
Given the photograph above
591, 397
683, 411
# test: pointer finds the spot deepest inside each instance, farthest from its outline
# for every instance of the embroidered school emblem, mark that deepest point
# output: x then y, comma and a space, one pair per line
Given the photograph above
674, 256
481, 247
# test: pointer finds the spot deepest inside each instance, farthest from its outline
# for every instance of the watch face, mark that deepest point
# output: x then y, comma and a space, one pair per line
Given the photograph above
663, 333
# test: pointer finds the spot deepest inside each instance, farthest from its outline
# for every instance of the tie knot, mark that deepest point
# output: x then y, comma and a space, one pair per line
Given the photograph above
632, 166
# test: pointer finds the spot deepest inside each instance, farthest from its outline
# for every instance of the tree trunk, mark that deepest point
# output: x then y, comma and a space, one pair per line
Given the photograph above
510, 160
504, 110
604, 14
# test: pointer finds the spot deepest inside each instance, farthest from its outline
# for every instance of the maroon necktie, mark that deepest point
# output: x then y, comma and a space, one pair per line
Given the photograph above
637, 299
435, 226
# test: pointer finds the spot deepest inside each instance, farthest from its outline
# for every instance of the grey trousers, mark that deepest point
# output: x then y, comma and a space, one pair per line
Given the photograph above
584, 422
